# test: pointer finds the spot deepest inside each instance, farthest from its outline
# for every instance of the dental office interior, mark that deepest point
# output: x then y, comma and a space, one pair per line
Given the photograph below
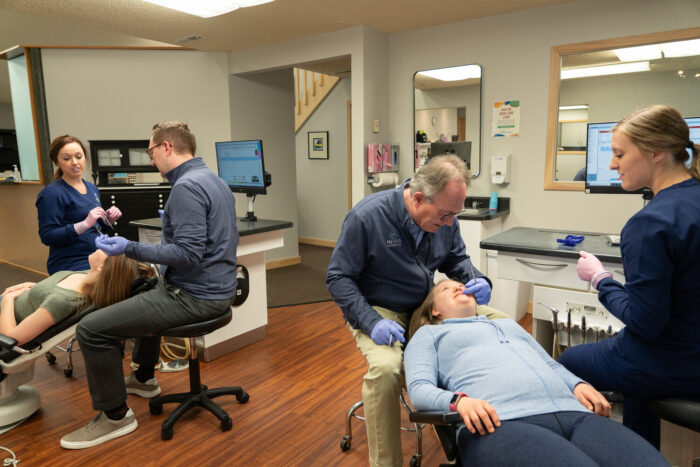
102, 84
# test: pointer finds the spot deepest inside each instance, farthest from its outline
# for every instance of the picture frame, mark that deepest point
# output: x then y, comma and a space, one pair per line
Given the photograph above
318, 144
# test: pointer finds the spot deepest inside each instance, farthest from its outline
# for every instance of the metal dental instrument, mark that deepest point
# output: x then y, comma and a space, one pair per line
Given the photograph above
556, 350
610, 330
568, 329
583, 329
597, 333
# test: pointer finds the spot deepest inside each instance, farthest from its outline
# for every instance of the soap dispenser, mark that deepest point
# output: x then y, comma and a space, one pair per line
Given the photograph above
15, 173
493, 202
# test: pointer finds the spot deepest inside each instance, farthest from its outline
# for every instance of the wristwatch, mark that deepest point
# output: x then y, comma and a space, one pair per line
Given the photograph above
455, 399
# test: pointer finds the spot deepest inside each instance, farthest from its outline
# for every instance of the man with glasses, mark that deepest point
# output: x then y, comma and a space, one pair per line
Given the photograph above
382, 269
198, 261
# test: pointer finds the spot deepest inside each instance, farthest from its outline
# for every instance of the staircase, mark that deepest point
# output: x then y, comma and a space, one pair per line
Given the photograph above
310, 89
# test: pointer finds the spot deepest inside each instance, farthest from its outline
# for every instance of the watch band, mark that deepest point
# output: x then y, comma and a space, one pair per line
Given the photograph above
455, 399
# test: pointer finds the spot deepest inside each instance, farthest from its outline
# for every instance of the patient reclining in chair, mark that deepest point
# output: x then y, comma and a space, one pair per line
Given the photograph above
29, 309
519, 406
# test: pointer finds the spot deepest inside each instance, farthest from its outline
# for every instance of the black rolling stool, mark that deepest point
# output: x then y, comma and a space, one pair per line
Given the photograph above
199, 395
681, 411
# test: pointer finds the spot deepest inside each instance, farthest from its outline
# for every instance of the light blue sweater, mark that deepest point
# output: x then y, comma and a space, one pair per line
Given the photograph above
496, 361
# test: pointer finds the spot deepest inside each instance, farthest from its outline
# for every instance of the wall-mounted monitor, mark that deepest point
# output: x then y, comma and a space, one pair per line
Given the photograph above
241, 166
462, 149
694, 127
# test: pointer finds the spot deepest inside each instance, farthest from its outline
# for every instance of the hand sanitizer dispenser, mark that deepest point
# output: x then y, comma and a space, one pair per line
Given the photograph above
500, 169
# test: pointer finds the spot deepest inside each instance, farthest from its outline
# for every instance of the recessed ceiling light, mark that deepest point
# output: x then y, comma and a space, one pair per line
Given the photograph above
620, 68
208, 8
455, 73
573, 107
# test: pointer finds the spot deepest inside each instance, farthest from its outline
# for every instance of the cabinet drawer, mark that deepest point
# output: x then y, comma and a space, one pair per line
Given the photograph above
546, 270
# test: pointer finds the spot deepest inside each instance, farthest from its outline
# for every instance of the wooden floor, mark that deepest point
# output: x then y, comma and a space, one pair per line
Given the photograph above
302, 378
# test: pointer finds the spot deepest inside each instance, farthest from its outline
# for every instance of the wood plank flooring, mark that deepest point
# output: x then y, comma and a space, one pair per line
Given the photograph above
302, 378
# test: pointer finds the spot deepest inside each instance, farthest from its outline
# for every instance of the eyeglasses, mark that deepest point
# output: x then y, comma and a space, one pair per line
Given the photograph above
149, 151
451, 214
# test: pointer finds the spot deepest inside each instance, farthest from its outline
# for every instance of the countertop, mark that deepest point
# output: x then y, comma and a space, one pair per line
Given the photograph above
544, 242
244, 227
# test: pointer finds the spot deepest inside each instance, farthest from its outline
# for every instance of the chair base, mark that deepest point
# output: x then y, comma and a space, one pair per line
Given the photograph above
188, 400
17, 408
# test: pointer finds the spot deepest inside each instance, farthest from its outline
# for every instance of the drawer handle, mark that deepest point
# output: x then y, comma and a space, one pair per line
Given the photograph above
534, 263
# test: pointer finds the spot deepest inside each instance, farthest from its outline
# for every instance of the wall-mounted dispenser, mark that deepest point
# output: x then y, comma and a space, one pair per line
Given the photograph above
500, 169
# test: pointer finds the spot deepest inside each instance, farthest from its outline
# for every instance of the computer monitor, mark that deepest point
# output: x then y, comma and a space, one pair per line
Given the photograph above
241, 166
462, 149
694, 127
599, 177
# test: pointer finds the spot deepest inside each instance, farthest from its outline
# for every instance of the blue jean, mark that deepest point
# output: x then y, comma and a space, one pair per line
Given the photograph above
143, 317
555, 439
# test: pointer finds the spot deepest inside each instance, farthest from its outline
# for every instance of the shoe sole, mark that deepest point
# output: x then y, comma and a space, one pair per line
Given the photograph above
144, 393
125, 430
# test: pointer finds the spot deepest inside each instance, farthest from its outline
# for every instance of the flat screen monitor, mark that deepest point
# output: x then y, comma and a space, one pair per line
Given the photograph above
462, 149
694, 127
241, 166
599, 177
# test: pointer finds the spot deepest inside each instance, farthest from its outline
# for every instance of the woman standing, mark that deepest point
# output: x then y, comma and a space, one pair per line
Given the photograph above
658, 352
69, 209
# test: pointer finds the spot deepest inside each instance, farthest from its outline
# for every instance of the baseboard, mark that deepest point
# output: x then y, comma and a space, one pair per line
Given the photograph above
529, 307
281, 263
317, 242
25, 268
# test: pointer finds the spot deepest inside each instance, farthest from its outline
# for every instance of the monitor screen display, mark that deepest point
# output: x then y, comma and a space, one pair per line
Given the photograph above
241, 166
694, 127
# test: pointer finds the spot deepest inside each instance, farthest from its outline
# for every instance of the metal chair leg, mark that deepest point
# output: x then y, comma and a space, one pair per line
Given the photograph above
346, 442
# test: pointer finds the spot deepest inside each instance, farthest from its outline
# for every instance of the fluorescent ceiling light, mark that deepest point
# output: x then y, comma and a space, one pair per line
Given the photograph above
573, 107
620, 68
681, 48
206, 8
455, 73
642, 52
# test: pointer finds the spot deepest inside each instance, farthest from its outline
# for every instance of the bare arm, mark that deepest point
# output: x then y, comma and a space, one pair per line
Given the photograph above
29, 328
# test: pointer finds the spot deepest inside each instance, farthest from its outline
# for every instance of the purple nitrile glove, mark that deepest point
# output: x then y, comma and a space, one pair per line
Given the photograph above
480, 288
111, 245
386, 332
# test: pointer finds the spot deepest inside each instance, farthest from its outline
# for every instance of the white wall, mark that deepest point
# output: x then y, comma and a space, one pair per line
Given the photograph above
262, 107
322, 184
7, 119
514, 51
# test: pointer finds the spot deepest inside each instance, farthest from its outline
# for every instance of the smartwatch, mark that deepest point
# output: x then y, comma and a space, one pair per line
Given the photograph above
455, 399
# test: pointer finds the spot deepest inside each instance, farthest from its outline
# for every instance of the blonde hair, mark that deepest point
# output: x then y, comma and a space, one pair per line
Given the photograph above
115, 280
424, 313
661, 128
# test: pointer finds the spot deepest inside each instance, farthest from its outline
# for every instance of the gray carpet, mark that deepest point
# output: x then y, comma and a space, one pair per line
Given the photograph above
300, 283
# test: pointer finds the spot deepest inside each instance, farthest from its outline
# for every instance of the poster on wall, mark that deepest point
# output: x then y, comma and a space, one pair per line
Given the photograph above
506, 119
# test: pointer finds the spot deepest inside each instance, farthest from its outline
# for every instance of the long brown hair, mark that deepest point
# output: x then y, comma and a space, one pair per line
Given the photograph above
424, 313
114, 283
661, 128
56, 146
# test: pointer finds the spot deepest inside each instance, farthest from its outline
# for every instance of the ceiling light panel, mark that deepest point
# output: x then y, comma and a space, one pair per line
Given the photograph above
635, 54
681, 48
208, 8
455, 73
620, 68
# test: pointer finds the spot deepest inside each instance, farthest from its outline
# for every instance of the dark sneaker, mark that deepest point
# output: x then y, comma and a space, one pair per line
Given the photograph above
99, 430
148, 389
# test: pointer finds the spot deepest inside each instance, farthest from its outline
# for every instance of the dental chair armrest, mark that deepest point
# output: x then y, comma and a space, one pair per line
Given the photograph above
7, 342
435, 417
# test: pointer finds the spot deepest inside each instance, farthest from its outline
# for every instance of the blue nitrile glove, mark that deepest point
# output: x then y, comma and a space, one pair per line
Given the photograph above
160, 213
111, 245
386, 332
480, 288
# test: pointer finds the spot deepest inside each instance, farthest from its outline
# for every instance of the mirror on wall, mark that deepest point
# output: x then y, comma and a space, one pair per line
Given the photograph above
602, 81
447, 114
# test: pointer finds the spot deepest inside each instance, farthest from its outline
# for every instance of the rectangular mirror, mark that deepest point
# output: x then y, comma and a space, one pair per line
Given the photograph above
447, 114
602, 81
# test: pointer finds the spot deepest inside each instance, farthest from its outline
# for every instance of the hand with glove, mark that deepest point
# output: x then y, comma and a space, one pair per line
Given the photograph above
93, 216
113, 214
386, 332
111, 245
480, 288
590, 269
160, 213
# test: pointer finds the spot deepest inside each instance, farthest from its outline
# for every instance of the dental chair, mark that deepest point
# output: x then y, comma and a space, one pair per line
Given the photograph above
17, 400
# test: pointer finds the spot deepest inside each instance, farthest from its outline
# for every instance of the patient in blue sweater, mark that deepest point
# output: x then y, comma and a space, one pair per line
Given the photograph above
519, 406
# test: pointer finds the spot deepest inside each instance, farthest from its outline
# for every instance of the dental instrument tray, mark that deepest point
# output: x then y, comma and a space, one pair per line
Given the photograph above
571, 240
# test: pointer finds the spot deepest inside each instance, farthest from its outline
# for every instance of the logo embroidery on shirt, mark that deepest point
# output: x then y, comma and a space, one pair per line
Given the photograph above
393, 240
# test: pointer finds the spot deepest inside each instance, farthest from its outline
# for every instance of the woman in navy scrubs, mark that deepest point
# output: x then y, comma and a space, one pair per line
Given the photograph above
658, 352
70, 210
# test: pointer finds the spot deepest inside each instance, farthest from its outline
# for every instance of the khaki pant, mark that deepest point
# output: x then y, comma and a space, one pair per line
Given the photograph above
381, 389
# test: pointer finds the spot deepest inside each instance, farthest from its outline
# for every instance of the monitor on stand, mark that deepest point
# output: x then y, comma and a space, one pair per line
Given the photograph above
241, 166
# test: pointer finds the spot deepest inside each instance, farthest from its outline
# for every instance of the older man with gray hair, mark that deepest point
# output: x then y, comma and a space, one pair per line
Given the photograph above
382, 268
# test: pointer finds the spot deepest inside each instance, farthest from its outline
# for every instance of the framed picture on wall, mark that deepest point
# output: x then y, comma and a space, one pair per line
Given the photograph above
318, 145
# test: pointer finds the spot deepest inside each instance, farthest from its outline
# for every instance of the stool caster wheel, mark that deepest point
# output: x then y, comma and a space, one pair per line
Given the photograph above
155, 409
68, 372
415, 462
242, 397
51, 358
345, 443
226, 424
166, 433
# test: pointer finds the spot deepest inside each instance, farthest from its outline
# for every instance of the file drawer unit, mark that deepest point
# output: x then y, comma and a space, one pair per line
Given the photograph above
533, 256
